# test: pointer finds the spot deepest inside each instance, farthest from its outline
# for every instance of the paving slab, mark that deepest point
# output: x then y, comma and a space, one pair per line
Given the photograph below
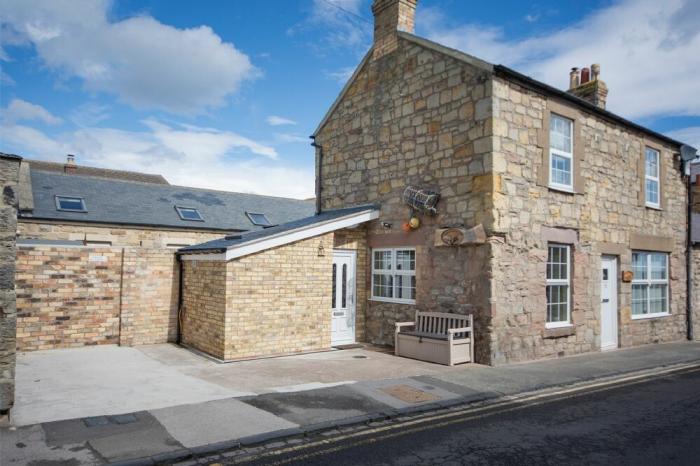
317, 406
217, 421
401, 393
28, 446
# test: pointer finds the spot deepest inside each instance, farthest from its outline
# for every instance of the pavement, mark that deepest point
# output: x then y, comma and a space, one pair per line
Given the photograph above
167, 401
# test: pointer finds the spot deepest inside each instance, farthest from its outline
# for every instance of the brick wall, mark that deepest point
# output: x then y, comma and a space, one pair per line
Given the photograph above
9, 175
278, 301
204, 306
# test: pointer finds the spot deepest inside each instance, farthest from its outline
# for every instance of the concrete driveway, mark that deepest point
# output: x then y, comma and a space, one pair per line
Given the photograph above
102, 380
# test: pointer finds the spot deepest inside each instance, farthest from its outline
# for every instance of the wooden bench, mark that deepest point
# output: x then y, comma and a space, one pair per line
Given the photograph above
436, 337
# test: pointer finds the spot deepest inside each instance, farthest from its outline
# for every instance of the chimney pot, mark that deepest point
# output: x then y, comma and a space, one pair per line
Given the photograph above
70, 159
589, 87
585, 75
574, 78
70, 165
595, 71
391, 16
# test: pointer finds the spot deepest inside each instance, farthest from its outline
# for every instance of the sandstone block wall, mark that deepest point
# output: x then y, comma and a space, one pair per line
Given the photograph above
417, 117
9, 175
603, 216
279, 301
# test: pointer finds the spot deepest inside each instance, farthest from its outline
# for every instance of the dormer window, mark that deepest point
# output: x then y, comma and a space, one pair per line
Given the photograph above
70, 204
259, 219
189, 214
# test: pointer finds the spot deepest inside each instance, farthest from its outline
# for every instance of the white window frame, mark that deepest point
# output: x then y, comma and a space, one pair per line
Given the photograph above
655, 179
648, 282
558, 281
393, 273
559, 153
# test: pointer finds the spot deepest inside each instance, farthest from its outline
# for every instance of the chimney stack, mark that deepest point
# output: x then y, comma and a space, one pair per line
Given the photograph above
588, 85
70, 165
391, 16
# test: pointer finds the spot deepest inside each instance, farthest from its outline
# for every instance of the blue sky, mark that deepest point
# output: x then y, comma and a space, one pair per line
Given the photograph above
224, 94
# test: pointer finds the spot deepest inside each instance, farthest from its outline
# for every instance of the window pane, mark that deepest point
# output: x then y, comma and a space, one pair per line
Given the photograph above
658, 266
382, 260
344, 290
652, 191
383, 286
657, 299
405, 286
557, 303
405, 260
334, 286
259, 219
188, 214
557, 263
71, 203
639, 265
560, 133
652, 163
639, 299
561, 170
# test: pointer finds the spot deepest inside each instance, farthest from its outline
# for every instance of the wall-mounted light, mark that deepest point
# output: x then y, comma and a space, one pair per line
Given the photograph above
386, 225
321, 250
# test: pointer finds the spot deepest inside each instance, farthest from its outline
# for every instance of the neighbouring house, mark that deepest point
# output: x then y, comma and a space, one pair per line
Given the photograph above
96, 250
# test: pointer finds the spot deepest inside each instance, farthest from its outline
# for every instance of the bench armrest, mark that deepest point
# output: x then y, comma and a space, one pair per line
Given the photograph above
400, 325
459, 330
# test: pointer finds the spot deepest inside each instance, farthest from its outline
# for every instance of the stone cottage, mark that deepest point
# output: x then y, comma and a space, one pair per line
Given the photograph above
583, 212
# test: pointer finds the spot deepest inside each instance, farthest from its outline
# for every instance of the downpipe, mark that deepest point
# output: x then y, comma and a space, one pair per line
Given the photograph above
689, 261
319, 164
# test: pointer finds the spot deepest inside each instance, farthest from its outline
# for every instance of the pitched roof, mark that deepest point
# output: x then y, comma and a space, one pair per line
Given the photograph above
10, 156
504, 72
147, 204
98, 172
284, 232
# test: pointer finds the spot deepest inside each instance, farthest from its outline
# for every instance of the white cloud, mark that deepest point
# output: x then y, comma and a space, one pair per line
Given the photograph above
342, 23
648, 51
292, 138
185, 155
274, 120
21, 110
690, 136
145, 63
6, 79
342, 75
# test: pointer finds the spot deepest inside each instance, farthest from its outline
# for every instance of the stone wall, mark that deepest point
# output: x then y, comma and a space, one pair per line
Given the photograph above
77, 296
278, 301
204, 306
603, 215
9, 175
417, 117
117, 236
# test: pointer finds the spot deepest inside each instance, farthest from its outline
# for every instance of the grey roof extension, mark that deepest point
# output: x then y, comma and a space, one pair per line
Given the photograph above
219, 245
147, 204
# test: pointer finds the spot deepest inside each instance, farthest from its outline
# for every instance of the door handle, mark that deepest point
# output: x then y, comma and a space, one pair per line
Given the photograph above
606, 300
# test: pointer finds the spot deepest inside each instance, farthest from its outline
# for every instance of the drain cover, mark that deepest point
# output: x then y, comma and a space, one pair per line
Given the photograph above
409, 394
360, 357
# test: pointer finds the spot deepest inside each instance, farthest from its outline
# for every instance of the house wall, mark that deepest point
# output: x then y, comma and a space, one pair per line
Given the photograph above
278, 301
9, 175
204, 301
603, 217
417, 117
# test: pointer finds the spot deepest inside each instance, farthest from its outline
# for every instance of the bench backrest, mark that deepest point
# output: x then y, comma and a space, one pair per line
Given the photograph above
437, 323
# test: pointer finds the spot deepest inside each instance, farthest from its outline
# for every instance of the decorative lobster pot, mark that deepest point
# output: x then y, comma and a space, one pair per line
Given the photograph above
421, 200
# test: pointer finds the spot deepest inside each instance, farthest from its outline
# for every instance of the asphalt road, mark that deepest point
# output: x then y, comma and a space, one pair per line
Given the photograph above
651, 423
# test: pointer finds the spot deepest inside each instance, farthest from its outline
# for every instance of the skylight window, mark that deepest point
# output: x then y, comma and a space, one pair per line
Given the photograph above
259, 219
70, 204
189, 214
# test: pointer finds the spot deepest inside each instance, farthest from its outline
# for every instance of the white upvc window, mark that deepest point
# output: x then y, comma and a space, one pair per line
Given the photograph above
649, 284
394, 275
651, 178
558, 286
561, 153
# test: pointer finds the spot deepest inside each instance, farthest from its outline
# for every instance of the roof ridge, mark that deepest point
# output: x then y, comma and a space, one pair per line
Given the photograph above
62, 164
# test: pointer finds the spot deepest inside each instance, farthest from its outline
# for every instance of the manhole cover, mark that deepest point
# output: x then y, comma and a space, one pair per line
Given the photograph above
409, 394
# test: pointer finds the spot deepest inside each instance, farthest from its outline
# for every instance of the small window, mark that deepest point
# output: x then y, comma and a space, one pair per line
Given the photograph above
187, 213
561, 153
71, 204
394, 275
259, 219
651, 181
649, 284
558, 285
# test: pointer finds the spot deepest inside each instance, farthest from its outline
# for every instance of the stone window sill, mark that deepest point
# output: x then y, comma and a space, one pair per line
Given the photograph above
654, 207
559, 332
649, 316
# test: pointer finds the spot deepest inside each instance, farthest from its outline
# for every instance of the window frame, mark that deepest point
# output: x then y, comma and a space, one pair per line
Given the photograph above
648, 282
559, 153
559, 282
179, 210
656, 179
57, 200
393, 272
249, 215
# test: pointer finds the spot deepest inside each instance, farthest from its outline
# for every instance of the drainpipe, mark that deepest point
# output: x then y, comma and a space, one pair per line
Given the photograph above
319, 164
179, 298
689, 259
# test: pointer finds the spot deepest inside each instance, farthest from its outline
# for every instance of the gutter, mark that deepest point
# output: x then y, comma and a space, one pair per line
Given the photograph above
319, 164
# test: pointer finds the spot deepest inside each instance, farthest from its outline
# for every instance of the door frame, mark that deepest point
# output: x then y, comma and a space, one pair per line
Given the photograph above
614, 280
352, 254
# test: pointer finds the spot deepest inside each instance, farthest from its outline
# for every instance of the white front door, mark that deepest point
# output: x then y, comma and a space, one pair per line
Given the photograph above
343, 304
608, 304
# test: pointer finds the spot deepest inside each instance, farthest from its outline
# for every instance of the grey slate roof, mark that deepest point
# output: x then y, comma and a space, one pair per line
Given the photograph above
99, 172
148, 204
219, 245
